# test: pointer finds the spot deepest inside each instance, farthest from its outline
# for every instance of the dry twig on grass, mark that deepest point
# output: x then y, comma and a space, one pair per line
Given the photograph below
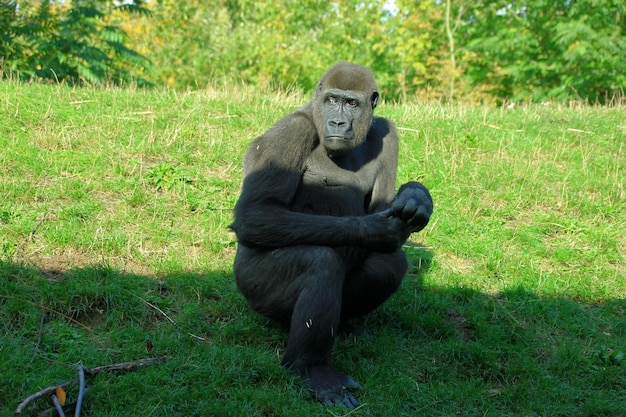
118, 367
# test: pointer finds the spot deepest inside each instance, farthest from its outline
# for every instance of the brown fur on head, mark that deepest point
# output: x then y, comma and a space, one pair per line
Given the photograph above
351, 82
352, 77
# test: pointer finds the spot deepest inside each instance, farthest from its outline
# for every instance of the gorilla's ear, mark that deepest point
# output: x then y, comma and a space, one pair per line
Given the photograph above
374, 99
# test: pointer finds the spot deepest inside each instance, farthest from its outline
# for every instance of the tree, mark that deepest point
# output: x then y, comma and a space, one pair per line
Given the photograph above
72, 41
539, 49
280, 43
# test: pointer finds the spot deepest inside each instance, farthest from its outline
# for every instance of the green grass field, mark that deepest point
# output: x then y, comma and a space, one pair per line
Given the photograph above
114, 212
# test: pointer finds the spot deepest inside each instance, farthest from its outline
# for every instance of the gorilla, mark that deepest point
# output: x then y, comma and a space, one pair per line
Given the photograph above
319, 225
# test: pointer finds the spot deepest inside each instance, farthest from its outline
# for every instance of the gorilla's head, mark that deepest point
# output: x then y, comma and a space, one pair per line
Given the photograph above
343, 106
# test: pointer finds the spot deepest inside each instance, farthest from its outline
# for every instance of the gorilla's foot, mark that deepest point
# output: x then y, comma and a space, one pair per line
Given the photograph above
331, 387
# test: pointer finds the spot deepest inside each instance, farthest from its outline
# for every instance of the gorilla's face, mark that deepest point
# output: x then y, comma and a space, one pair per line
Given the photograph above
341, 110
343, 106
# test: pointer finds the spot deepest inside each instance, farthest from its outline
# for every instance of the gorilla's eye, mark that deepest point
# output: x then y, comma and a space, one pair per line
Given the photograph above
352, 103
331, 100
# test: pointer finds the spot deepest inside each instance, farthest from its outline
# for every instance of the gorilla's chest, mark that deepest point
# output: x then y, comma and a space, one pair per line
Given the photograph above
348, 172
335, 187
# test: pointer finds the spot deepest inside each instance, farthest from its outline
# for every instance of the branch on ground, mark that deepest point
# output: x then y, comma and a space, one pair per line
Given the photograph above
118, 367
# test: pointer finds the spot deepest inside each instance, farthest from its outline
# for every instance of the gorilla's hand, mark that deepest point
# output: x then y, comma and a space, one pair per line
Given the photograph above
413, 204
383, 232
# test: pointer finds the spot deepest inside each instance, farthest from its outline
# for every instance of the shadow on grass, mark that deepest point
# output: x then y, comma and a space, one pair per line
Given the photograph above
428, 351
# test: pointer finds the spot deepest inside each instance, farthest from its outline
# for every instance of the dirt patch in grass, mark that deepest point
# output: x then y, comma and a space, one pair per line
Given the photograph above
57, 264
455, 263
460, 325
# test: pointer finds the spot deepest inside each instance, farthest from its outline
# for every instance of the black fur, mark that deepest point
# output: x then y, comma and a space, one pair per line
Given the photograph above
320, 226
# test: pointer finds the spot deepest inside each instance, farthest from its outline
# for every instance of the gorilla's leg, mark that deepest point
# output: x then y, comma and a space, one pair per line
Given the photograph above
317, 310
273, 281
301, 285
371, 284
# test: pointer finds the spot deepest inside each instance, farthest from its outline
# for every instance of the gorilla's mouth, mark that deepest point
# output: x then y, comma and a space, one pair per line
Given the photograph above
337, 144
338, 140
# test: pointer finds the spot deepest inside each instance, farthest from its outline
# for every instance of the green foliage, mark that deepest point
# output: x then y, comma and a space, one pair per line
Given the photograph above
165, 176
414, 50
475, 51
539, 50
283, 43
73, 42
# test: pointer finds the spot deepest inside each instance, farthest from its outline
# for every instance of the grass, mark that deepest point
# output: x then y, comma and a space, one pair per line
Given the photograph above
114, 212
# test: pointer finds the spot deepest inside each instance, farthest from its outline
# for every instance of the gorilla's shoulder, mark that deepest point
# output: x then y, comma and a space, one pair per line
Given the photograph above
382, 127
300, 121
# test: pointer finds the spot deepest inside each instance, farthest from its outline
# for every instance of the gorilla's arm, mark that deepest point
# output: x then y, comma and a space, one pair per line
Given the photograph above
268, 223
273, 172
383, 191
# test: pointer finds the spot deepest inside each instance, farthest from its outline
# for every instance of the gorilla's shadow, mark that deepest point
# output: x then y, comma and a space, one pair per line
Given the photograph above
507, 343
